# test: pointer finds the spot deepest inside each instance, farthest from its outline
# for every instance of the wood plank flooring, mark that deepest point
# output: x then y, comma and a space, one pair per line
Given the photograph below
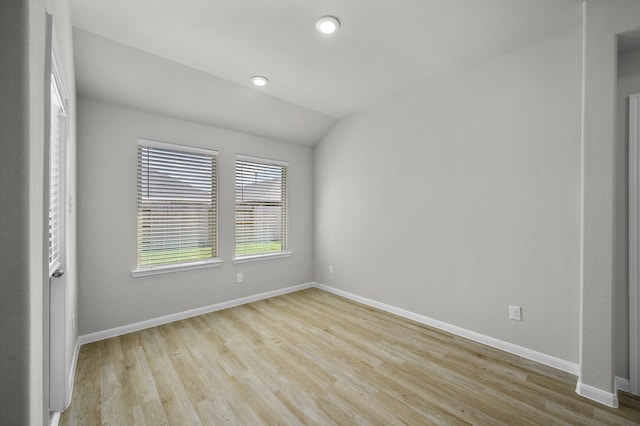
314, 358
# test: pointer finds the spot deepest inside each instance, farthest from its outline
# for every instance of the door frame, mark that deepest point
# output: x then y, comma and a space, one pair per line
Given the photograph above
55, 311
634, 244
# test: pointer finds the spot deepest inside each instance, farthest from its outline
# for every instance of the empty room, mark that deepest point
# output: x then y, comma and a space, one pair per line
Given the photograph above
320, 212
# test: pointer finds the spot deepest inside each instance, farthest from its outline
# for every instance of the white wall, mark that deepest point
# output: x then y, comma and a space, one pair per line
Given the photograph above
463, 196
109, 296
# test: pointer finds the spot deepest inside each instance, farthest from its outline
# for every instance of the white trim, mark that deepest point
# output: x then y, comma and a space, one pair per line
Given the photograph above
166, 269
261, 160
60, 76
72, 373
621, 384
634, 244
55, 418
264, 256
58, 321
125, 329
581, 330
598, 395
542, 358
175, 146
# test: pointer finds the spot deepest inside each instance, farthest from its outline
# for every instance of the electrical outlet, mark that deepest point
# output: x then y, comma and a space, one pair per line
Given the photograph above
515, 313
331, 269
239, 278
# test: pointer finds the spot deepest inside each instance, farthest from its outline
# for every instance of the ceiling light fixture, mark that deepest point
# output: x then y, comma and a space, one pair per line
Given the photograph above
259, 80
327, 24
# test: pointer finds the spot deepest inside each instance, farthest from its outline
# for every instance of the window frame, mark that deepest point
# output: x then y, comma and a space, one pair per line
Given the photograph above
284, 253
145, 270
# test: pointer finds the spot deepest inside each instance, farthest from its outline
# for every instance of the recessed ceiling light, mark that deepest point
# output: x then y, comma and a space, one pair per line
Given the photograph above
328, 24
259, 80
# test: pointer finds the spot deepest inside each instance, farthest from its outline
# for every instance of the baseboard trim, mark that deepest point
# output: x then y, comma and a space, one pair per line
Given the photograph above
521, 351
142, 325
54, 419
72, 374
622, 384
607, 398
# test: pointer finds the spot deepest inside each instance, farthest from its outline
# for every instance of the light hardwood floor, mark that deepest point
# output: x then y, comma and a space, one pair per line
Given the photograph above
314, 358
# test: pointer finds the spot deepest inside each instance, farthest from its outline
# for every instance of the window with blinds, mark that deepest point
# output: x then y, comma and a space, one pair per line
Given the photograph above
261, 207
56, 172
177, 205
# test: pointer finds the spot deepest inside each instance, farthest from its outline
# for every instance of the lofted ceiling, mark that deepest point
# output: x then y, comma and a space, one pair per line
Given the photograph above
382, 48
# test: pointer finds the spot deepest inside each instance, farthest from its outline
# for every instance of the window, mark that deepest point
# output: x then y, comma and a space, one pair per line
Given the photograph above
177, 207
58, 115
261, 208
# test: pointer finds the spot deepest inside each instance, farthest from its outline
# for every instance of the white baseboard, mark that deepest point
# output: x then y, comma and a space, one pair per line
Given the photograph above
521, 351
72, 374
607, 398
55, 418
130, 328
622, 384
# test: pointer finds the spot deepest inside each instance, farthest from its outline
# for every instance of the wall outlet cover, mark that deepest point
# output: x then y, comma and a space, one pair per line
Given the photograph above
515, 313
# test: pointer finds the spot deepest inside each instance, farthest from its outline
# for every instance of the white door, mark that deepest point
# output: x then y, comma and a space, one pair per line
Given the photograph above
634, 244
57, 241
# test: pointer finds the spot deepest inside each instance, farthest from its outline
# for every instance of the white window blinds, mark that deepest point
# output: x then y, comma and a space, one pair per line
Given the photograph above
177, 205
261, 206
57, 113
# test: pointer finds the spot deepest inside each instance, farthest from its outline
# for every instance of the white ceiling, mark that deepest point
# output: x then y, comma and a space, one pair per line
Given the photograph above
116, 73
383, 46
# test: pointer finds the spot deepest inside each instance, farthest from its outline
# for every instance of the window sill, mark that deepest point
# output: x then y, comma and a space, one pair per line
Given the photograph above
258, 257
166, 269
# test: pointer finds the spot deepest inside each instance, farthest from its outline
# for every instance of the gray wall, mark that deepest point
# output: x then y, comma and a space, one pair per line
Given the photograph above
462, 197
108, 295
628, 84
21, 215
23, 286
601, 21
